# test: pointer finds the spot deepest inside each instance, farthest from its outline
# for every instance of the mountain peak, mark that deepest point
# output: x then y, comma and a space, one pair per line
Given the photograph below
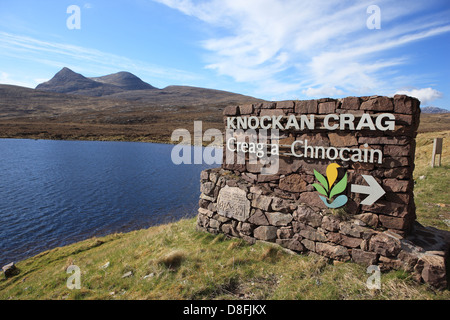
124, 80
65, 69
67, 81
431, 109
67, 74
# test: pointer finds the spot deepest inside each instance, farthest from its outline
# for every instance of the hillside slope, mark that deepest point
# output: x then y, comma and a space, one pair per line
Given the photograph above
124, 80
20, 102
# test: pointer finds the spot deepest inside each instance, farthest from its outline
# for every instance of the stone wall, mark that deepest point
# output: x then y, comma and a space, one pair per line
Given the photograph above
284, 207
395, 210
253, 213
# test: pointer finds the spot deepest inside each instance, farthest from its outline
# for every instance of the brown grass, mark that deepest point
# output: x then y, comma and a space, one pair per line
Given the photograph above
173, 259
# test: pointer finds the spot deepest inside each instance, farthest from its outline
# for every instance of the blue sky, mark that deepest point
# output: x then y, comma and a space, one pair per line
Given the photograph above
270, 49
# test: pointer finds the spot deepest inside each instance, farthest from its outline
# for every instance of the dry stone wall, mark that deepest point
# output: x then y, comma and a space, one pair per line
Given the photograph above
295, 176
284, 207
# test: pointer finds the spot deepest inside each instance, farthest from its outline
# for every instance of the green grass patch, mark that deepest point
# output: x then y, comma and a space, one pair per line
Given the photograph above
197, 265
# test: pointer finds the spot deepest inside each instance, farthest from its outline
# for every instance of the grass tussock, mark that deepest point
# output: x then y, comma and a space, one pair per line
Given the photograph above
174, 261
270, 254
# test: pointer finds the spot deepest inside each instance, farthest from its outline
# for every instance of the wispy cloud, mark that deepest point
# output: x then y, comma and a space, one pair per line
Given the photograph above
425, 95
323, 91
84, 60
6, 78
325, 43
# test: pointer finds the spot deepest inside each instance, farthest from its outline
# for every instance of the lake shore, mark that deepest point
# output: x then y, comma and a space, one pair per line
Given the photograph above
157, 132
43, 130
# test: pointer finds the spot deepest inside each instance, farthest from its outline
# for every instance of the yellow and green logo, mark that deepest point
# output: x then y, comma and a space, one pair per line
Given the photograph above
329, 188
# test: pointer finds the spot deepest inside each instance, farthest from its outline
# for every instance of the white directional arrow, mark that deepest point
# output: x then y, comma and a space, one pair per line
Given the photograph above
374, 190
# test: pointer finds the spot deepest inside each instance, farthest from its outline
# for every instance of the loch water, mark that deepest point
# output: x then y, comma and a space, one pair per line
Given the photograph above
53, 193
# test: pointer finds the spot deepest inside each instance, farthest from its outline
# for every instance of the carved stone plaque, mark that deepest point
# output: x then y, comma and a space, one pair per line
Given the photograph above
232, 202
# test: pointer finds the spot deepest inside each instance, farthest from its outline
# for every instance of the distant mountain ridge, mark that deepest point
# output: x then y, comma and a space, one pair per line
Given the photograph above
431, 109
70, 94
127, 86
68, 81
